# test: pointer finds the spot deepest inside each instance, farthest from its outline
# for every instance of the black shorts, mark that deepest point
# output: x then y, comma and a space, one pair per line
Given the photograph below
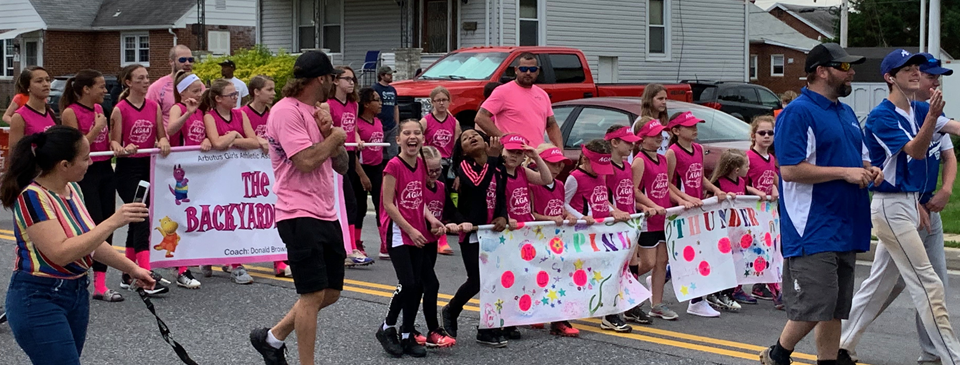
315, 253
651, 239
819, 287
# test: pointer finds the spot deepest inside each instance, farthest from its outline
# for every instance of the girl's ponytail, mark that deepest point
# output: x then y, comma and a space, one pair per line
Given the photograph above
36, 154
69, 95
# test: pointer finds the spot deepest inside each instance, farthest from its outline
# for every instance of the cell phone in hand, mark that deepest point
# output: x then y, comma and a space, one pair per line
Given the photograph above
140, 196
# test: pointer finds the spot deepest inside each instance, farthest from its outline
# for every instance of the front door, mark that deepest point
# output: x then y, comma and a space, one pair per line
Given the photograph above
437, 19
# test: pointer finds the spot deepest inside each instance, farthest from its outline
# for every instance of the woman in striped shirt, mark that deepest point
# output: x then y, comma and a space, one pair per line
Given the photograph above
47, 297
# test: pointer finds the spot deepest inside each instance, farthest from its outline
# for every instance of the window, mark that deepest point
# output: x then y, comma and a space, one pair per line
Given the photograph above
330, 16
776, 65
218, 42
658, 32
592, 123
731, 95
768, 98
32, 53
719, 126
753, 66
134, 48
567, 68
748, 95
529, 23
561, 113
510, 73
6, 50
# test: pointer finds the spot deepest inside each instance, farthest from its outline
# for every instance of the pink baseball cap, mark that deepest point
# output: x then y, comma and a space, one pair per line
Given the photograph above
622, 133
555, 155
599, 161
686, 119
513, 142
652, 128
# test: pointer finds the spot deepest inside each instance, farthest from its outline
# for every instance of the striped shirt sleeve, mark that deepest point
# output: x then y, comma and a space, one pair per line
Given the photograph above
34, 207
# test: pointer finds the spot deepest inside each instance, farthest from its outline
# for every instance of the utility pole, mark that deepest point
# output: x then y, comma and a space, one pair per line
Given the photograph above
933, 46
923, 25
844, 12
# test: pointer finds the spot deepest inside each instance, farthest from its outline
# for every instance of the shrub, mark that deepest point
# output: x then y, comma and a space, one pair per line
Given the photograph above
250, 62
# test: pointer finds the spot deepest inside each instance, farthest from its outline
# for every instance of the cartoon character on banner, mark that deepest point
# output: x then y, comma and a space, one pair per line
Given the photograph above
168, 229
180, 191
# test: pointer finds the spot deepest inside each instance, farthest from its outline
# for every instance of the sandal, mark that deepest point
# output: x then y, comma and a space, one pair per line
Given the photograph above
109, 296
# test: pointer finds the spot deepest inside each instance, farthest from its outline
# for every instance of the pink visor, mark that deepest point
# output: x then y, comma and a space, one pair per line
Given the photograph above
687, 119
513, 142
652, 128
624, 134
599, 161
554, 155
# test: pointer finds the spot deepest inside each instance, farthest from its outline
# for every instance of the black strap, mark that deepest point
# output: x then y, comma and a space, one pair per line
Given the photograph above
165, 331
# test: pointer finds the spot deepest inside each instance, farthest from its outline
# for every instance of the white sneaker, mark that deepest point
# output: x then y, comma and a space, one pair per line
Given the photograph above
702, 309
359, 259
384, 256
729, 304
240, 276
186, 280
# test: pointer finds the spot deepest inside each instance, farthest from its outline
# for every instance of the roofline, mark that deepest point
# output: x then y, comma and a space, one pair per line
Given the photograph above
800, 18
112, 28
778, 44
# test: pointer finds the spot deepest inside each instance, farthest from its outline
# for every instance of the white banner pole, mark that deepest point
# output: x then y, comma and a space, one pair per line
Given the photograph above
154, 151
547, 223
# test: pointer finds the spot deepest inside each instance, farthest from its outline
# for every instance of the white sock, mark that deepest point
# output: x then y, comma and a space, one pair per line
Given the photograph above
273, 341
405, 336
385, 326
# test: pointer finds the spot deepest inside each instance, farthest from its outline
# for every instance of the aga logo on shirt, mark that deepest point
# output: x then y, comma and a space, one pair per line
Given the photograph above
442, 138
660, 187
140, 131
767, 180
492, 195
261, 130
102, 137
520, 202
554, 207
599, 201
436, 208
694, 176
376, 137
412, 195
197, 131
348, 121
624, 192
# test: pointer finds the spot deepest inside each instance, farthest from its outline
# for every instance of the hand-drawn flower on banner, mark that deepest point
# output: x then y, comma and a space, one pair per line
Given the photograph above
556, 245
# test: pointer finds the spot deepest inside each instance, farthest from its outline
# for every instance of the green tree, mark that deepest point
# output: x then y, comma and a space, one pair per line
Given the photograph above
896, 23
250, 63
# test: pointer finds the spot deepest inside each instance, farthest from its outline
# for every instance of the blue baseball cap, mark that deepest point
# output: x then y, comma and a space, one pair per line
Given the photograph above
899, 58
933, 66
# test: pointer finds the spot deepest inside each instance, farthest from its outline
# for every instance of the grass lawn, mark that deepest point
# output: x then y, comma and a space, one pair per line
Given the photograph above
951, 214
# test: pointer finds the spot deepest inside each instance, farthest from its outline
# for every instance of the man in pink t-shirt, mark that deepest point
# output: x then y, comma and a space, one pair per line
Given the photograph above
161, 91
521, 107
305, 150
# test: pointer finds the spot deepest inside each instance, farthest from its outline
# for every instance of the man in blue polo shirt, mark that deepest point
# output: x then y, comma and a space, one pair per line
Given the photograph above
905, 137
824, 205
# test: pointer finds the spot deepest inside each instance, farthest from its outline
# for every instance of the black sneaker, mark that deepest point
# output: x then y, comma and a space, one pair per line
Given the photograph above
125, 281
615, 323
490, 337
449, 321
271, 355
390, 340
412, 348
637, 315
844, 358
3, 317
761, 292
157, 289
511, 333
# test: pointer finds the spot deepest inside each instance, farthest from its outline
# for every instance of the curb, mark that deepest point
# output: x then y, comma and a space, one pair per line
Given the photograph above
952, 255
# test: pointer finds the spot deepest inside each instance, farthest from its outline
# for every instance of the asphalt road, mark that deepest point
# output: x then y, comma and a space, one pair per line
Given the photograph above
213, 324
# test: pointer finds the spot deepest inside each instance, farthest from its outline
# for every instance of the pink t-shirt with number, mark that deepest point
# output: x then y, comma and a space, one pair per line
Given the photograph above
370, 132
86, 118
520, 110
35, 122
257, 121
345, 116
408, 197
763, 172
440, 134
688, 173
620, 184
517, 190
548, 200
193, 131
291, 129
139, 124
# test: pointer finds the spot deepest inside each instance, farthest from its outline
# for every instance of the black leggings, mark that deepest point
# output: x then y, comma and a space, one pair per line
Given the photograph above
431, 286
470, 253
130, 170
349, 196
408, 263
99, 189
375, 174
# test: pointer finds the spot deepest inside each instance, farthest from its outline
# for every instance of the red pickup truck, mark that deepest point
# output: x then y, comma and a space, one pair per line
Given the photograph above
564, 75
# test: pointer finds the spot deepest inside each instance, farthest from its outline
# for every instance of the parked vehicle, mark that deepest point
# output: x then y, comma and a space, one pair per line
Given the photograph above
564, 75
59, 82
586, 119
741, 100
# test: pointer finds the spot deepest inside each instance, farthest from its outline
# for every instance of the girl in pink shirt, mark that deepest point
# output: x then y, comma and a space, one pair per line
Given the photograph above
135, 124
80, 108
442, 129
186, 126
229, 128
519, 178
763, 175
403, 225
369, 167
34, 116
620, 182
687, 183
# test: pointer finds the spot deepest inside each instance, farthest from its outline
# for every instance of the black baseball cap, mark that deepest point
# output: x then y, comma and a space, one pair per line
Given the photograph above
313, 64
228, 63
826, 53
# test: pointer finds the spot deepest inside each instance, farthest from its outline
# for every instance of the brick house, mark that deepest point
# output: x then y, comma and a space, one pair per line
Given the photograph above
777, 53
65, 36
814, 22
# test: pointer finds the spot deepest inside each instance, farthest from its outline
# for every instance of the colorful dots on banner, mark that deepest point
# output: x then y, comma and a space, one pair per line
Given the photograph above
556, 245
759, 264
525, 302
507, 279
528, 252
580, 277
704, 268
746, 241
543, 279
768, 239
689, 253
724, 245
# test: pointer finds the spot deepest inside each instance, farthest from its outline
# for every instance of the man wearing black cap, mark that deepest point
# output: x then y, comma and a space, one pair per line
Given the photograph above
227, 67
824, 205
904, 136
390, 111
305, 150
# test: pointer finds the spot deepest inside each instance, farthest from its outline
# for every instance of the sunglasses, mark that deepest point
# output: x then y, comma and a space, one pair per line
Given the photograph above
842, 66
185, 59
765, 133
352, 79
234, 94
528, 68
